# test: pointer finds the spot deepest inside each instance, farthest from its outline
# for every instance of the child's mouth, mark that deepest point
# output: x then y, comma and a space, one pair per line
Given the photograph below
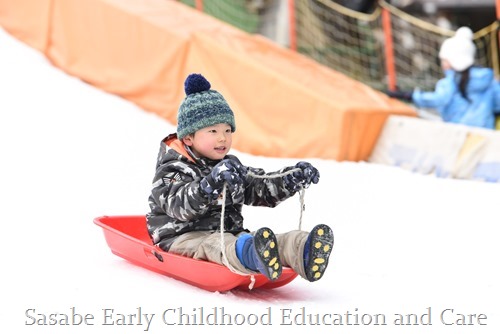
220, 149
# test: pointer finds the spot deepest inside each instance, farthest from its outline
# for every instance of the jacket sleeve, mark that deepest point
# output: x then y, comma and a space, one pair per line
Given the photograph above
441, 96
176, 191
267, 190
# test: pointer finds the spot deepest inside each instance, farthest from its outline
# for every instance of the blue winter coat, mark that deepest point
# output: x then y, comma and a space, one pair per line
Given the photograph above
483, 92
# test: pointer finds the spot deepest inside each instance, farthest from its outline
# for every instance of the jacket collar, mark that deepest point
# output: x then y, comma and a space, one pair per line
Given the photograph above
178, 146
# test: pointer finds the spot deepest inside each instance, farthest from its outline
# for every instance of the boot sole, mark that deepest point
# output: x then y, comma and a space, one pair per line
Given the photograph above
266, 247
320, 248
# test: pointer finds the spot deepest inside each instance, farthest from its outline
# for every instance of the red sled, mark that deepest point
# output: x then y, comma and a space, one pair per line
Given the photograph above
127, 237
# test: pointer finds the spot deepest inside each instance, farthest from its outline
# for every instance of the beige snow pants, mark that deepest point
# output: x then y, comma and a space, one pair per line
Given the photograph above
205, 245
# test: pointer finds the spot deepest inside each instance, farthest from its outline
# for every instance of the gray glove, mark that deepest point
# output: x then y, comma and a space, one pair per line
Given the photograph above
227, 171
301, 179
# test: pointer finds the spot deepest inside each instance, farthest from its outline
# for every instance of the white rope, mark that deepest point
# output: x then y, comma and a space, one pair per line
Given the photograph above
223, 245
225, 261
302, 194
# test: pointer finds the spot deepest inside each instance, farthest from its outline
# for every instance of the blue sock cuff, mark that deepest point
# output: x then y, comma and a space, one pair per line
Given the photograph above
240, 243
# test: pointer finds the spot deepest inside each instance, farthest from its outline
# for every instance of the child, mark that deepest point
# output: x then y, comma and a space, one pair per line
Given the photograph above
466, 95
192, 168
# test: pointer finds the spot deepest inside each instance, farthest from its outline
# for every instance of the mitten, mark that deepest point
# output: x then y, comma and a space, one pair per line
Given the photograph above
301, 178
400, 95
227, 171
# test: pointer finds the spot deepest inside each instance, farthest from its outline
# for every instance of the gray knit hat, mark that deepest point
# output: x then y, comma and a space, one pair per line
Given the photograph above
201, 107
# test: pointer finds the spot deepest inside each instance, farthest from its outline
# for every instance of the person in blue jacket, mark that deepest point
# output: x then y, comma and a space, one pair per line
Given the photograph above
467, 94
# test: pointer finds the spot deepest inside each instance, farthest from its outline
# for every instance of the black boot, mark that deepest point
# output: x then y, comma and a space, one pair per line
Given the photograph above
317, 250
260, 253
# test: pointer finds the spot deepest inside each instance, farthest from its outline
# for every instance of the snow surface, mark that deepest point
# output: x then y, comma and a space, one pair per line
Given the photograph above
405, 243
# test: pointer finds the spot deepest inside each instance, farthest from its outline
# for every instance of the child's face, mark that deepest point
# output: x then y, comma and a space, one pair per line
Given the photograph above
212, 142
445, 65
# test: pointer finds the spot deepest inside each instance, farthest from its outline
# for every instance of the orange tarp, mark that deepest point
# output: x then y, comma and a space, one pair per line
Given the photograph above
286, 105
27, 20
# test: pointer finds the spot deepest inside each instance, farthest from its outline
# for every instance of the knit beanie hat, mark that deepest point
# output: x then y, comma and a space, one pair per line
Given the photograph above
202, 107
459, 50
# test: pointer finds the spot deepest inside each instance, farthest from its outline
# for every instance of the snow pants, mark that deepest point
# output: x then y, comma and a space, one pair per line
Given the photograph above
206, 245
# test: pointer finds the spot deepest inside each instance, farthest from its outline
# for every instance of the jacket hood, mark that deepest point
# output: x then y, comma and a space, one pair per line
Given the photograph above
171, 141
480, 79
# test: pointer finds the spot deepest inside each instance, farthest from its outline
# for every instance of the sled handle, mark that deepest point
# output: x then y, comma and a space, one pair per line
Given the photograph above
151, 253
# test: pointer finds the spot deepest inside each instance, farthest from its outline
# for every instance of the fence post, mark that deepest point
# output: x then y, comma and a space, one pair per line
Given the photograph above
498, 18
291, 25
199, 5
389, 49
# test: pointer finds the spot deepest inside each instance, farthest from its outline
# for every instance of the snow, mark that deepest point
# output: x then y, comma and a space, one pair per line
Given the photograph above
405, 243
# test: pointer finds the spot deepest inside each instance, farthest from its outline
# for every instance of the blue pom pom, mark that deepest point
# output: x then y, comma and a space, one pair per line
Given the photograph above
196, 83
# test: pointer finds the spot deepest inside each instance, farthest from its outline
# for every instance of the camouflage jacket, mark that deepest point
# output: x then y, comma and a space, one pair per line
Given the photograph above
178, 205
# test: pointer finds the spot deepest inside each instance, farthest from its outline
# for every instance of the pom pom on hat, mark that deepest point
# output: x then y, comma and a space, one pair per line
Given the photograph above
196, 83
202, 107
465, 33
459, 50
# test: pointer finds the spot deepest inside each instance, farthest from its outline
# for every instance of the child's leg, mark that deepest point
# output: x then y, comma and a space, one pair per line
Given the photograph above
202, 245
187, 244
307, 253
291, 247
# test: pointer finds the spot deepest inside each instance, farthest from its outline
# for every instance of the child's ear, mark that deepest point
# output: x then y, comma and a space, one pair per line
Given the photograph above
188, 140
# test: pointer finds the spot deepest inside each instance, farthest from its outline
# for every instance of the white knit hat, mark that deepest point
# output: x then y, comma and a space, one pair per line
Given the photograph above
459, 50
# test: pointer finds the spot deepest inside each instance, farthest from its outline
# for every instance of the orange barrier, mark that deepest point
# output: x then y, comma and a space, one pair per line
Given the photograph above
27, 20
286, 105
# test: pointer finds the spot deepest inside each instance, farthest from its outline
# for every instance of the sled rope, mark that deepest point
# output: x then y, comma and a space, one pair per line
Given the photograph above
223, 209
301, 191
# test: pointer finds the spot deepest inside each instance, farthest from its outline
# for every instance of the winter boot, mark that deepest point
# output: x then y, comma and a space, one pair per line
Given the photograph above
316, 251
260, 253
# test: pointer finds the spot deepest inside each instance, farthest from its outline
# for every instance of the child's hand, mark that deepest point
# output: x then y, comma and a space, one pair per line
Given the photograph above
400, 95
227, 171
301, 179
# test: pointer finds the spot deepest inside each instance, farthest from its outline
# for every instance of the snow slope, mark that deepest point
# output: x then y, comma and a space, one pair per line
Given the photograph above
405, 243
